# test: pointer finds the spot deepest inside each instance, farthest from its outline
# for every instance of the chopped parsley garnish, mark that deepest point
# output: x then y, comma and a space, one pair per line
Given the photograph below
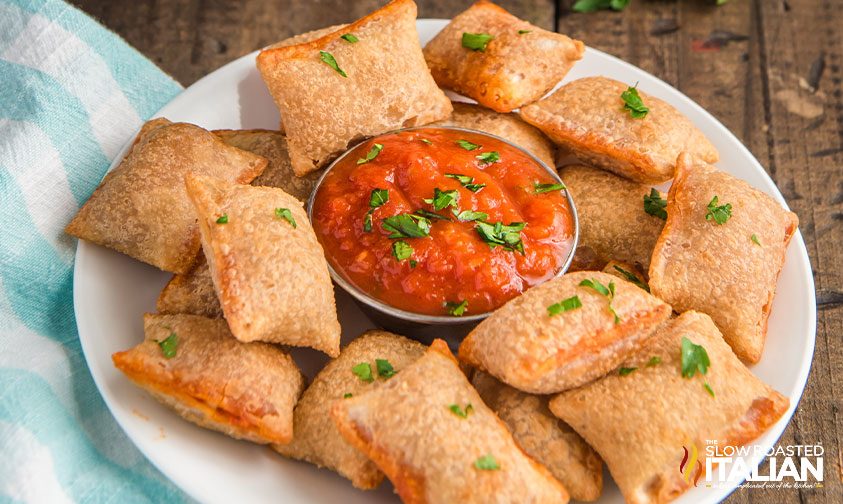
287, 215
465, 144
372, 154
425, 140
633, 103
466, 181
718, 213
347, 395
460, 412
608, 292
385, 369
524, 32
543, 188
654, 361
572, 303
624, 371
401, 250
457, 309
443, 199
367, 221
476, 41
350, 38
470, 215
755, 239
708, 389
168, 345
489, 157
655, 205
406, 226
497, 234
694, 358
421, 212
595, 5
363, 371
378, 197
487, 463
329, 60
223, 219
631, 277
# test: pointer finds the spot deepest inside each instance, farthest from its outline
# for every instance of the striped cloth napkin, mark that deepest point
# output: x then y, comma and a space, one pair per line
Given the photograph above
71, 94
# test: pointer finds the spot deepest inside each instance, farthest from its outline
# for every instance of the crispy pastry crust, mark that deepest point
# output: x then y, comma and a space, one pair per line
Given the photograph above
141, 208
640, 422
699, 265
544, 437
508, 126
244, 390
523, 346
271, 278
406, 428
388, 86
513, 70
587, 117
317, 439
613, 223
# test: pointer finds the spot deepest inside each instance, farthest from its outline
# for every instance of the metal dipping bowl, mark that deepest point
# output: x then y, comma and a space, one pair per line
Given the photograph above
420, 326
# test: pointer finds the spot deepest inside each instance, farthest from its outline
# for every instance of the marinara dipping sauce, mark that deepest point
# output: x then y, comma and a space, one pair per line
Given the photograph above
443, 222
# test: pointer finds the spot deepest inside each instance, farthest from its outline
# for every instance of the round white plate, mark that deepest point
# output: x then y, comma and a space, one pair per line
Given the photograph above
112, 291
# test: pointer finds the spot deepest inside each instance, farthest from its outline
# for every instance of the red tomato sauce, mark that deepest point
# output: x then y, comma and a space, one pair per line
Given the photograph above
442, 263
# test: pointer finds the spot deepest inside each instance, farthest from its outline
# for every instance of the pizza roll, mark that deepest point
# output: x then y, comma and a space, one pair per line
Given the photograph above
268, 270
428, 430
613, 217
141, 208
193, 365
317, 439
728, 270
550, 441
332, 92
564, 332
588, 118
507, 126
501, 61
644, 417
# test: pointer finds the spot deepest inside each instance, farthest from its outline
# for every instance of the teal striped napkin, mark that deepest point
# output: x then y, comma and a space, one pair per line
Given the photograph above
71, 94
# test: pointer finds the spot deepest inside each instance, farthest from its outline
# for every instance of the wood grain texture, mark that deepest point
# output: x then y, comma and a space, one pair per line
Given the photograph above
751, 63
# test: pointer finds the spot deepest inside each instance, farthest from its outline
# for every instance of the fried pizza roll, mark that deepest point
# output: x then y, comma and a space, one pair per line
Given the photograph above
721, 252
507, 126
141, 208
501, 61
428, 430
643, 418
564, 332
588, 118
367, 362
193, 365
191, 292
268, 270
615, 214
333, 91
544, 437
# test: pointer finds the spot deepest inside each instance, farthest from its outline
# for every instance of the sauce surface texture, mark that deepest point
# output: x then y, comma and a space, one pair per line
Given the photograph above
442, 222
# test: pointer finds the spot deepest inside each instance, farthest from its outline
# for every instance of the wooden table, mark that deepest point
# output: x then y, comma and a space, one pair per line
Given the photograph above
770, 70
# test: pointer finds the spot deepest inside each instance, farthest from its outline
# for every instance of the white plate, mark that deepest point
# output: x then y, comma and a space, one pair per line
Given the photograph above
112, 291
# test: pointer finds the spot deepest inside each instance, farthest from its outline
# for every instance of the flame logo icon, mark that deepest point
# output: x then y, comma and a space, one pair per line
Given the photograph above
690, 461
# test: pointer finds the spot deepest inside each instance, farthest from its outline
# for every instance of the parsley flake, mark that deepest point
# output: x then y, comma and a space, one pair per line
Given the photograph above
624, 371
364, 372
350, 38
755, 240
470, 215
654, 361
443, 199
223, 219
655, 205
595, 5
487, 463
406, 226
378, 197
694, 358
372, 154
168, 345
476, 41
457, 309
718, 213
524, 32
572, 303
545, 188
631, 277
329, 60
425, 140
465, 144
460, 412
367, 221
401, 250
497, 234
633, 103
287, 215
347, 395
489, 157
385, 369
421, 212
466, 181
708, 389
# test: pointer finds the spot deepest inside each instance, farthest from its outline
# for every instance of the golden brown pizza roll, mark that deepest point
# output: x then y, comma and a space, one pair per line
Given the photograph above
544, 437
643, 418
367, 362
564, 332
428, 430
506, 126
141, 208
193, 365
268, 270
588, 117
333, 91
727, 270
501, 61
613, 217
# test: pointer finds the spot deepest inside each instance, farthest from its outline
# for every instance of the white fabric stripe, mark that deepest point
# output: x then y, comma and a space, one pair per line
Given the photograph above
27, 468
48, 47
39, 172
